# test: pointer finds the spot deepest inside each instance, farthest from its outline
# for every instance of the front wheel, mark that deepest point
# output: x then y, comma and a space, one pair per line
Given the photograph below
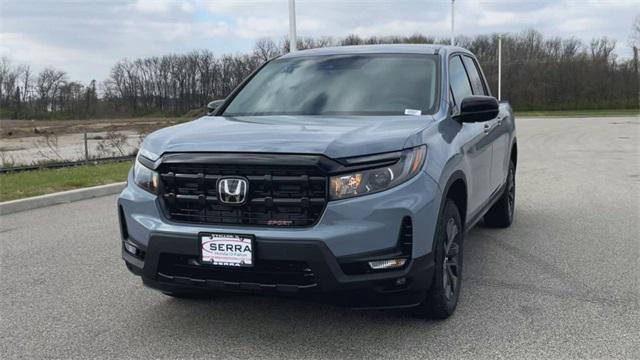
442, 297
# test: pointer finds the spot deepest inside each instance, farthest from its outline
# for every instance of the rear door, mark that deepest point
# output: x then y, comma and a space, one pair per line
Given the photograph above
476, 145
495, 130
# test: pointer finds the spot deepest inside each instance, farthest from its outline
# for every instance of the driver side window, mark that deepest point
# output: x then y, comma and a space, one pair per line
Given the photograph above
458, 81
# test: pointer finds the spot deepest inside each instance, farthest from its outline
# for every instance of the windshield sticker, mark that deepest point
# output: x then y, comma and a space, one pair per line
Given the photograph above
412, 112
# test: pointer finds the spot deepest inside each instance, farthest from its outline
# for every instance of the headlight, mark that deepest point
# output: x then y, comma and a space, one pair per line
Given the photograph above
374, 180
145, 177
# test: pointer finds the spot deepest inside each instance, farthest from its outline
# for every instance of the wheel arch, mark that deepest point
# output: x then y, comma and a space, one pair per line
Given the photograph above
456, 190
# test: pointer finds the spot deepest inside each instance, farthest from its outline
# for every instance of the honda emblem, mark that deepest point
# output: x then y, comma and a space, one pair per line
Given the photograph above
233, 190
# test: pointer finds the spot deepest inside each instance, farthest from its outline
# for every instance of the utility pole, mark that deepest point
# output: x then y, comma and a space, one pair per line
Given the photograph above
453, 34
499, 67
293, 41
86, 149
635, 67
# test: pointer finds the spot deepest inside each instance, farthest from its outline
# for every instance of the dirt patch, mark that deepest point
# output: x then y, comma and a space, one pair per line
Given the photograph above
26, 142
13, 129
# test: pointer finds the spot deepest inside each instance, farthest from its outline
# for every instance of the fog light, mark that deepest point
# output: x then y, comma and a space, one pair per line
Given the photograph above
387, 264
130, 248
401, 281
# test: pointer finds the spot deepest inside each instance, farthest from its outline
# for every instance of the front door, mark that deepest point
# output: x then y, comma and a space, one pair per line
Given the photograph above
496, 130
477, 145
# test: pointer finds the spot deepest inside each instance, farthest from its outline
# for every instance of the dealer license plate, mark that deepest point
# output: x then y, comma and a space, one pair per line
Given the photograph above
226, 249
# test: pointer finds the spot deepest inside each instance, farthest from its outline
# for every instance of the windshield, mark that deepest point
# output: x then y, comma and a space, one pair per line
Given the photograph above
369, 84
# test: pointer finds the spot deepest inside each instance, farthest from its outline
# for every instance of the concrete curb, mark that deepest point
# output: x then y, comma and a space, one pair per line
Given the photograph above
13, 206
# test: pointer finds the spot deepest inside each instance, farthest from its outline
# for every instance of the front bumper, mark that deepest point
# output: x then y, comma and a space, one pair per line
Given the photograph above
350, 230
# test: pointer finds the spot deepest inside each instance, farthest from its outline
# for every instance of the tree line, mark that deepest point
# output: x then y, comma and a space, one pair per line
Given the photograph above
538, 74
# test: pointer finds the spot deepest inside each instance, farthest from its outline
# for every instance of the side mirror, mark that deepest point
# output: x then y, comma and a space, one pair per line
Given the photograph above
212, 106
478, 108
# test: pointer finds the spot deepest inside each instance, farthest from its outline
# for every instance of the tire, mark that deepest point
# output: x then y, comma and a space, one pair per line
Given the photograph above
502, 212
442, 297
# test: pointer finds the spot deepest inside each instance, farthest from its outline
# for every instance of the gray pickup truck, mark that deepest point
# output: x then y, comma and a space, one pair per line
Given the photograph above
346, 174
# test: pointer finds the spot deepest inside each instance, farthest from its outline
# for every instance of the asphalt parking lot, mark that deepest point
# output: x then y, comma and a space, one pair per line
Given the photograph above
562, 282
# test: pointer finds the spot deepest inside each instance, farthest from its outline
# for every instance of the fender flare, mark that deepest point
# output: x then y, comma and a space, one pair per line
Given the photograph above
455, 176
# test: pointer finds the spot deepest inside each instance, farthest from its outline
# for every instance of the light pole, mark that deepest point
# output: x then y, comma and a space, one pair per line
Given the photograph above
293, 41
499, 67
453, 34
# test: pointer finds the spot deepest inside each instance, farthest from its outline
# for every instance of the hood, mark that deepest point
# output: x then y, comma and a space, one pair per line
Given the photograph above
332, 136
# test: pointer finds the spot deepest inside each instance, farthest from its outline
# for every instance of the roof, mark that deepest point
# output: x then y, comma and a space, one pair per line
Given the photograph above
428, 49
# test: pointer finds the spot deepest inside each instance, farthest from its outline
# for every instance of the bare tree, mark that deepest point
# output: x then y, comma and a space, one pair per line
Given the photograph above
265, 49
8, 82
26, 83
48, 83
542, 73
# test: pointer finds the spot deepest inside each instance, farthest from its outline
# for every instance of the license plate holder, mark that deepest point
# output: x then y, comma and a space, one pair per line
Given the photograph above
227, 250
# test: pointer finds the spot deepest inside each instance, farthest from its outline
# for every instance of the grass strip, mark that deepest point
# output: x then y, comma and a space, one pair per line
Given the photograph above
24, 184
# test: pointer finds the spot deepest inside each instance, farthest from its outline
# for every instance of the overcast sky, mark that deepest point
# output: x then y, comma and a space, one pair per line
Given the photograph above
86, 37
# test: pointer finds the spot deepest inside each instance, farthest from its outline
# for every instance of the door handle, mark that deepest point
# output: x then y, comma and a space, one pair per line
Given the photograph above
490, 126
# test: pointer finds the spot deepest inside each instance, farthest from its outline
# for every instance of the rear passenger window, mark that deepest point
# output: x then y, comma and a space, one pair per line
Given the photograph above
474, 76
458, 80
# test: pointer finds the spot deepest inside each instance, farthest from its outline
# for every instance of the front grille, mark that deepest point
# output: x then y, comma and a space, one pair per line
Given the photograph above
281, 196
265, 272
